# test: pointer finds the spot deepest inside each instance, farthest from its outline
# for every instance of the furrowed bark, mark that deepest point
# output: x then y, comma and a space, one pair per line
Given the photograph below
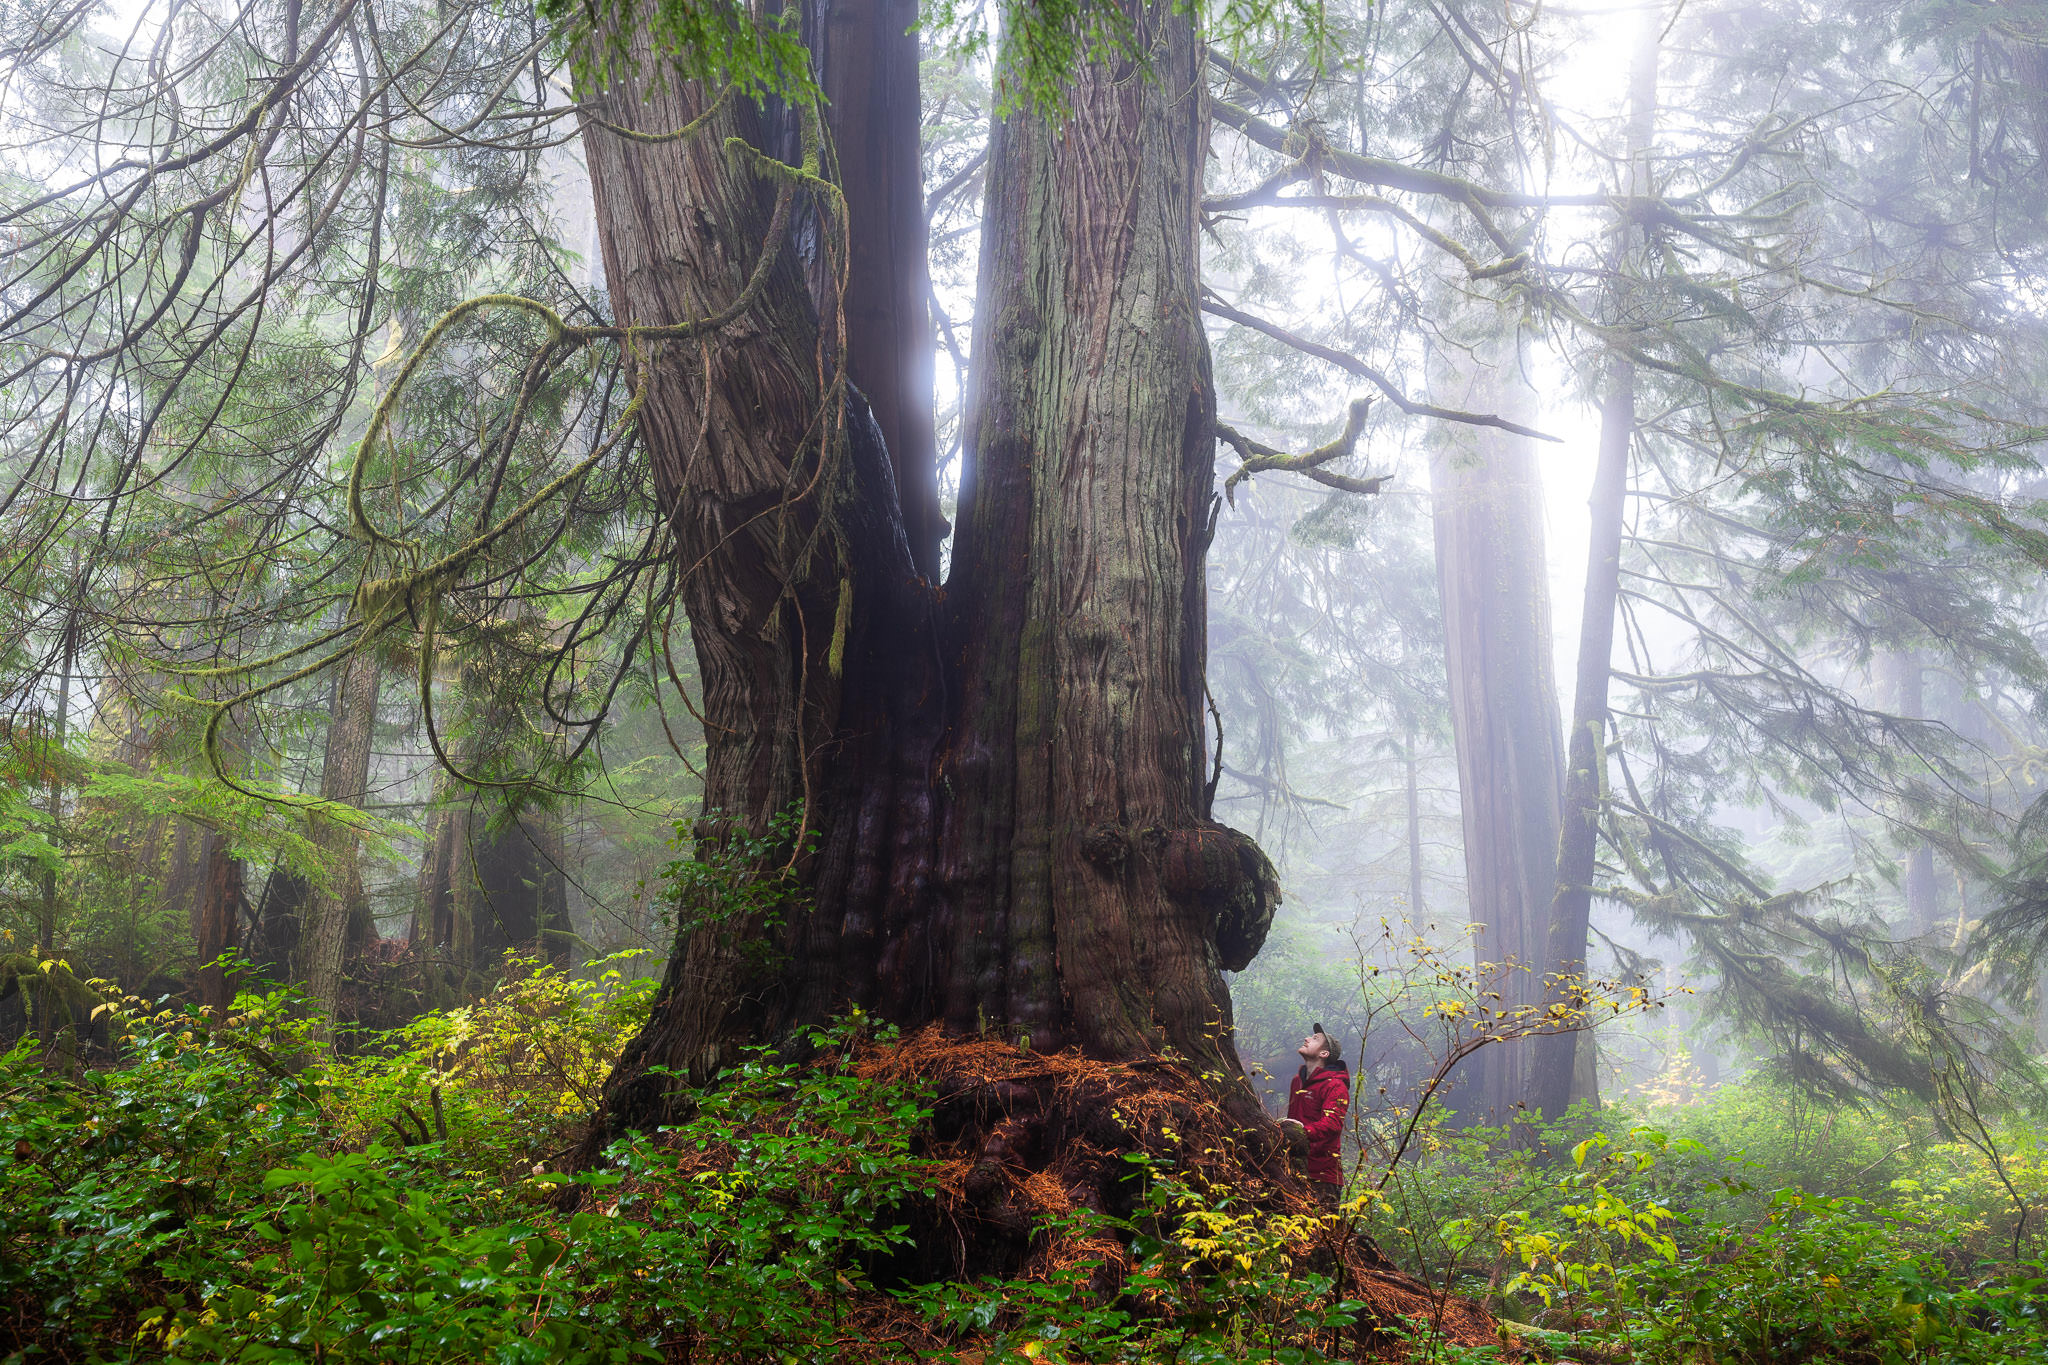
1076, 838
785, 517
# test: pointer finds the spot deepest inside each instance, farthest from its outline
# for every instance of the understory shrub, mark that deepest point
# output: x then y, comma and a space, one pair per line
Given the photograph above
224, 1195
1661, 1249
216, 1198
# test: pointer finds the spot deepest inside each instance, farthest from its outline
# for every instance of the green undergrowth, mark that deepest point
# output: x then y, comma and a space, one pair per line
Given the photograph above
221, 1192
1753, 1227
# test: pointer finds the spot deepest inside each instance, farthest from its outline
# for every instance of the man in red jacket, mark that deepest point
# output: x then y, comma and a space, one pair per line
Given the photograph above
1316, 1102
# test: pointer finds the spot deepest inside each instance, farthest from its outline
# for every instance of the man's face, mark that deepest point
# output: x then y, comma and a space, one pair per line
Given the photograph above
1312, 1049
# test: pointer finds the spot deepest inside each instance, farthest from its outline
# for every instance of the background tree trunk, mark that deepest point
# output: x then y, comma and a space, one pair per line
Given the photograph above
280, 924
1494, 581
1909, 699
1556, 1074
1416, 907
55, 735
217, 918
1553, 1067
339, 907
486, 891
217, 892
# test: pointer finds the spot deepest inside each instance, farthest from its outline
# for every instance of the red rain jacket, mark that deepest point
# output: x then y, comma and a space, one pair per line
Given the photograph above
1319, 1102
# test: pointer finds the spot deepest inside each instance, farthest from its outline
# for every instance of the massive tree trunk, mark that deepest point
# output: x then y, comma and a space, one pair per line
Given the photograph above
1494, 584
1090, 897
337, 912
991, 803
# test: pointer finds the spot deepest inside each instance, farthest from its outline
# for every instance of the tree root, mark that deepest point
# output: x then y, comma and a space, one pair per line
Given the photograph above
1023, 1140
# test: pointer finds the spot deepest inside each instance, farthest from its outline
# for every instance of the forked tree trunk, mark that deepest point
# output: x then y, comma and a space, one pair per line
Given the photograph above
1494, 583
999, 795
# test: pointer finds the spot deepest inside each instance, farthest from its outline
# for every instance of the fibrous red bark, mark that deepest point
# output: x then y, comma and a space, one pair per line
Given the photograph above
1077, 831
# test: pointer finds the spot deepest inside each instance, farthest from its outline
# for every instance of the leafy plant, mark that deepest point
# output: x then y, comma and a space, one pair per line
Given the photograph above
735, 881
514, 1073
128, 1185
1215, 1281
353, 1264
